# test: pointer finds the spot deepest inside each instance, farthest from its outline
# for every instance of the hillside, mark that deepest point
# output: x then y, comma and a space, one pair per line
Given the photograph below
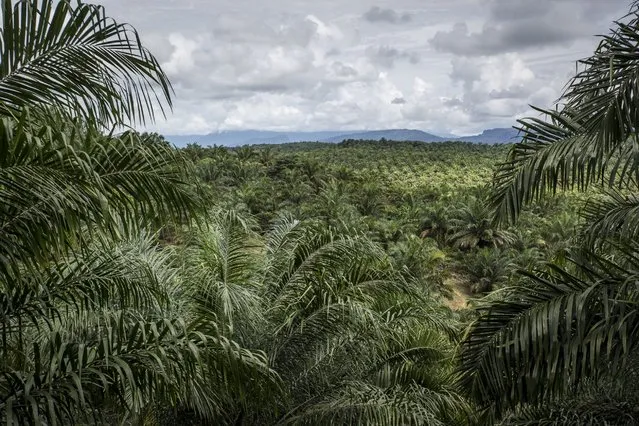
500, 135
255, 137
401, 135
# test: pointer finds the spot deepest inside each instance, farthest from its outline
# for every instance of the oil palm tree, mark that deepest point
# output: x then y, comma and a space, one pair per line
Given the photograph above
98, 330
355, 341
472, 227
351, 338
85, 319
590, 140
80, 316
536, 353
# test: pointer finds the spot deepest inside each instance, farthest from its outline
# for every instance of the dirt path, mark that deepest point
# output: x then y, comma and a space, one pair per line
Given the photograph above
461, 293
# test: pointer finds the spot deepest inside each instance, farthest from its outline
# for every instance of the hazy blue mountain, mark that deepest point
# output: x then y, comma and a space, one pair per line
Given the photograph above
243, 137
391, 135
500, 135
183, 140
319, 136
254, 137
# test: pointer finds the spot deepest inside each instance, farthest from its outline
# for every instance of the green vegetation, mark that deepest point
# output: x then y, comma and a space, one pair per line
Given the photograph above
385, 283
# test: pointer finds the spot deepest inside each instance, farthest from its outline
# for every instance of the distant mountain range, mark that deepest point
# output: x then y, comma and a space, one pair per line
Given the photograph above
254, 137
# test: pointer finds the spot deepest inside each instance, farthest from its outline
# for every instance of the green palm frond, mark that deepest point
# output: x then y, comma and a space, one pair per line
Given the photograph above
222, 273
615, 216
54, 183
590, 140
78, 60
401, 313
554, 154
603, 93
610, 401
104, 276
331, 273
289, 243
363, 403
134, 362
541, 340
100, 323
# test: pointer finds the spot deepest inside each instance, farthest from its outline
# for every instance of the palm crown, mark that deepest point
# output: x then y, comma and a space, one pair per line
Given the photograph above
550, 346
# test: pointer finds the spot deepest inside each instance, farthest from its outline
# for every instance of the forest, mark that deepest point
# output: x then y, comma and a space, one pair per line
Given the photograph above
361, 282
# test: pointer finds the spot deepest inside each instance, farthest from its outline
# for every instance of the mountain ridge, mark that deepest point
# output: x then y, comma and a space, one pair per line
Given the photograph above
234, 138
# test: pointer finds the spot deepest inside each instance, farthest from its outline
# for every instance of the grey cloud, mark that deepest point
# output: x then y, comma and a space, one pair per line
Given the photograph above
465, 71
344, 71
516, 25
454, 102
513, 10
304, 64
493, 87
377, 14
517, 92
386, 56
507, 38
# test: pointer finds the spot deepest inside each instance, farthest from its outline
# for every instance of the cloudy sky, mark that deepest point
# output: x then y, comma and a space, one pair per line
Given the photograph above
446, 66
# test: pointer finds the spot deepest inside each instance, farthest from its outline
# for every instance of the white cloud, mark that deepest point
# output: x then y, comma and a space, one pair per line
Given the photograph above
302, 65
181, 59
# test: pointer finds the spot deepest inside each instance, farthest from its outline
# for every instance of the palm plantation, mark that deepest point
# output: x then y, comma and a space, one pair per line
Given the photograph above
141, 284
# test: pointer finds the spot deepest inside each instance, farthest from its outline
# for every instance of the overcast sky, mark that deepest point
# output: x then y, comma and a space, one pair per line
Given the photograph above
446, 66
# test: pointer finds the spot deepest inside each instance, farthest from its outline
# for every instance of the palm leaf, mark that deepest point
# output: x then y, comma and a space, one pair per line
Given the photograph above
57, 183
592, 139
362, 403
615, 216
78, 60
543, 339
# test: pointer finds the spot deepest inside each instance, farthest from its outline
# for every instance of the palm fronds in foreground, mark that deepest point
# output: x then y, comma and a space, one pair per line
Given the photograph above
77, 60
590, 140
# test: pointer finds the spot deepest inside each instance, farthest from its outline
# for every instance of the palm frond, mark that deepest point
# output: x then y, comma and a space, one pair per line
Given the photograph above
222, 273
543, 339
78, 60
134, 362
57, 183
553, 154
615, 216
100, 323
363, 403
591, 139
610, 401
131, 274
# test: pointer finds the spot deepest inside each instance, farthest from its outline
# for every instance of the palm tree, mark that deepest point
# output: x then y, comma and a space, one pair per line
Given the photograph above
63, 207
486, 268
590, 140
351, 338
472, 227
555, 337
436, 224
544, 350
97, 330
355, 341
85, 319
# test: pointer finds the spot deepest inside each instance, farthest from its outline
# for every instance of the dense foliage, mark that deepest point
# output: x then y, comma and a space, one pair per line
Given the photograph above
363, 282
